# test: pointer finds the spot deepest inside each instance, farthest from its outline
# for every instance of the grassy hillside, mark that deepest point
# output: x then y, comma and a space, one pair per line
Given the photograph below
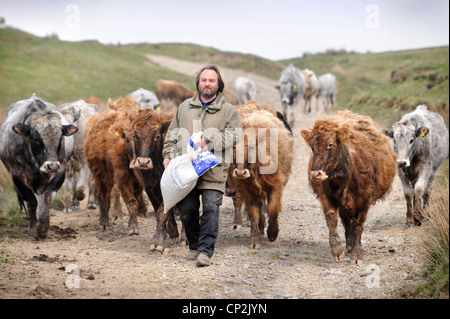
60, 71
387, 85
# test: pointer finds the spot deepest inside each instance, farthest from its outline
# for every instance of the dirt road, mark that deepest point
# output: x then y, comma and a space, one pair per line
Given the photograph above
79, 260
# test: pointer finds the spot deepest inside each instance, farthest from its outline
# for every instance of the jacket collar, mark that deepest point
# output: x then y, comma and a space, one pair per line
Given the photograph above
214, 107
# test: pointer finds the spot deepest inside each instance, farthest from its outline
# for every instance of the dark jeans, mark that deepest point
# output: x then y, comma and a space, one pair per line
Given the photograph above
201, 232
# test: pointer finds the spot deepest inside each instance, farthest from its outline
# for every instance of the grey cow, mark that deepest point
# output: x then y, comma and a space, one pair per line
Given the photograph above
420, 140
292, 87
146, 99
245, 89
35, 141
327, 90
78, 175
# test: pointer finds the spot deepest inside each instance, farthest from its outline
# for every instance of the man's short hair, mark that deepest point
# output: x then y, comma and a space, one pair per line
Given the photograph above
219, 77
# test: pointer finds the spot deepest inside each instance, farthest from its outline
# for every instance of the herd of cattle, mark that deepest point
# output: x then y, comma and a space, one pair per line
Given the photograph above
118, 151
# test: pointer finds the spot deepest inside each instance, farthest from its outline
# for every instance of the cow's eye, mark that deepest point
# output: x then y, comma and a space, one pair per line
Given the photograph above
330, 146
411, 141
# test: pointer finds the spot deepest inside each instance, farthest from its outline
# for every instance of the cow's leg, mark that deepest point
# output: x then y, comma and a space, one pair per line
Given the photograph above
67, 198
262, 217
284, 107
237, 203
331, 216
92, 195
104, 198
347, 222
30, 202
117, 209
142, 205
165, 222
420, 188
292, 115
160, 235
356, 256
253, 211
409, 197
128, 189
273, 208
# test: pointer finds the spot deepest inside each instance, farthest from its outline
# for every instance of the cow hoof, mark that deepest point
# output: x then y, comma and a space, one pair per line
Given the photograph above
92, 206
134, 231
152, 247
339, 259
357, 262
254, 246
67, 211
160, 248
167, 251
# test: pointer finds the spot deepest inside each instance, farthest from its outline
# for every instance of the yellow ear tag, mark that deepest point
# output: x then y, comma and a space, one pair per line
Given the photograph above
294, 86
117, 133
158, 108
422, 134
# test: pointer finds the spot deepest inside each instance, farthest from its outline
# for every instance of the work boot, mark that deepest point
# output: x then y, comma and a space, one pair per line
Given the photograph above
203, 260
192, 255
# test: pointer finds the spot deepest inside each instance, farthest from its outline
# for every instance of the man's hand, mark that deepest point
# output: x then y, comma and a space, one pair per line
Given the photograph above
166, 162
203, 145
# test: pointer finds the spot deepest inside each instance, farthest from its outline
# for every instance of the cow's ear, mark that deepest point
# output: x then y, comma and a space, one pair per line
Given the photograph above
76, 115
306, 134
388, 133
111, 104
118, 131
342, 134
69, 130
277, 87
422, 131
21, 129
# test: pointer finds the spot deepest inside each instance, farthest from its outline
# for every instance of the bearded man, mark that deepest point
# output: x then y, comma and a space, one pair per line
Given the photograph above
207, 111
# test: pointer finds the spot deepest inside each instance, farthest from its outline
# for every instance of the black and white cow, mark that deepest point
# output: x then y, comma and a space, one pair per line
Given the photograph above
35, 141
420, 140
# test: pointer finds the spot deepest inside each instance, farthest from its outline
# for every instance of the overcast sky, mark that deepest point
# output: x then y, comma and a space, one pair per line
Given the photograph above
274, 29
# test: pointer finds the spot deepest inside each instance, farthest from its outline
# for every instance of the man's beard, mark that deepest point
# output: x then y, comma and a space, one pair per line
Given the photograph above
209, 94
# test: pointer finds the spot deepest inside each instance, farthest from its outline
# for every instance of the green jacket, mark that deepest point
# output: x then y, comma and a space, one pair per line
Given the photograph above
220, 124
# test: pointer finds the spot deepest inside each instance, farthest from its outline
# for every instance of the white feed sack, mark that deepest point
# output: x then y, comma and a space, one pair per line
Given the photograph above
182, 173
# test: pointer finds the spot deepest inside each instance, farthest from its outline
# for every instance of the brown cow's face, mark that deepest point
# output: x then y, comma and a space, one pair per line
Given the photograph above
325, 148
245, 156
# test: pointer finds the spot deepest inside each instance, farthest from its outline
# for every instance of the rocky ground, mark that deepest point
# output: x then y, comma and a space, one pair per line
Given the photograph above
80, 260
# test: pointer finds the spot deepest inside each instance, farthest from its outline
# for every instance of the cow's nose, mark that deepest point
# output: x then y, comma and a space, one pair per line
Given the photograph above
241, 173
144, 163
402, 163
50, 167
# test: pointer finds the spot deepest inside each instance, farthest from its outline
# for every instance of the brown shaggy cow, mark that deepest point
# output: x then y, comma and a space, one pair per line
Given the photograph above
352, 166
171, 90
125, 149
261, 168
248, 108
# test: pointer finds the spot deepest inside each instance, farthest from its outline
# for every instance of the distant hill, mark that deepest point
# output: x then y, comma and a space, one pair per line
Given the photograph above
387, 85
382, 85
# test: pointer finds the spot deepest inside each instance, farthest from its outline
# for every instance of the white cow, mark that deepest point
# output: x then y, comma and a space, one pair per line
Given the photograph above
327, 89
78, 175
245, 89
146, 99
312, 87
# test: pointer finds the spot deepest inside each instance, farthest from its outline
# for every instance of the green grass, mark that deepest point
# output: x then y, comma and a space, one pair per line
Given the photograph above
435, 245
365, 84
61, 71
